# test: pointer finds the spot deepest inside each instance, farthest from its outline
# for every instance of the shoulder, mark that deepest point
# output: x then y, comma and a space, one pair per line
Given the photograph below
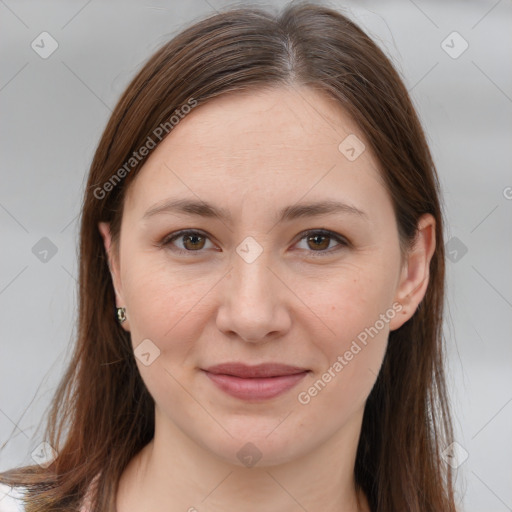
10, 499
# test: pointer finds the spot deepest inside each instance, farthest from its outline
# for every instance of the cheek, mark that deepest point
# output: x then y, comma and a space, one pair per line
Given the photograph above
349, 300
356, 311
165, 306
351, 362
169, 306
161, 301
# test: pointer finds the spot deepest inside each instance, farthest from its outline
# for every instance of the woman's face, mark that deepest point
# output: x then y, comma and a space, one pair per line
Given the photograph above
272, 281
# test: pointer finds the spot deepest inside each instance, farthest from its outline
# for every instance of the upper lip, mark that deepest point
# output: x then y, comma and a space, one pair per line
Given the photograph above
255, 371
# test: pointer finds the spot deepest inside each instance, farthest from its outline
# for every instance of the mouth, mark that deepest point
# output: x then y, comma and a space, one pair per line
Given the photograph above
255, 383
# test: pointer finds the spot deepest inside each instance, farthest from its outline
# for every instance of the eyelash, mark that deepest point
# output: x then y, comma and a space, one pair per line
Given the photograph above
343, 242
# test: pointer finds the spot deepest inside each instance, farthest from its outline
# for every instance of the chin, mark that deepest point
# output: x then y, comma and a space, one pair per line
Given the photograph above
257, 444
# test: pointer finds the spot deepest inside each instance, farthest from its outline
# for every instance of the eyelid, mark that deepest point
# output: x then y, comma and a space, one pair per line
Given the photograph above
342, 241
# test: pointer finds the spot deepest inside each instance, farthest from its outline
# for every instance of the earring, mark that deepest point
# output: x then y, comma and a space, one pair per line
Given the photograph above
121, 314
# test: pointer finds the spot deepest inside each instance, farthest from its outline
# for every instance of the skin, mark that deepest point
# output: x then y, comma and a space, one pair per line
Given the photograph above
254, 153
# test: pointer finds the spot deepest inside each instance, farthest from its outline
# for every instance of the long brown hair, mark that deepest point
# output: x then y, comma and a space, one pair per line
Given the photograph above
102, 414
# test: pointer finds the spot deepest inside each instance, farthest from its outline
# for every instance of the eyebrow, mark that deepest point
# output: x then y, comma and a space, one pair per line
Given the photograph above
289, 213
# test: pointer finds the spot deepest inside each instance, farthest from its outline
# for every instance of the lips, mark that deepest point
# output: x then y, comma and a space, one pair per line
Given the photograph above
261, 370
255, 383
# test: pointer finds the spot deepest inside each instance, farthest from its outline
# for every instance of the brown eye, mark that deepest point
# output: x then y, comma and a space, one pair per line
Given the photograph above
186, 241
319, 241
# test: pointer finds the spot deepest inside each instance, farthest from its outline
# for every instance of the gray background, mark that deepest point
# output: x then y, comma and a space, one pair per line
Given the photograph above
54, 111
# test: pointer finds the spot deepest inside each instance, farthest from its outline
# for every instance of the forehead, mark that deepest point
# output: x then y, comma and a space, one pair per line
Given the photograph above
298, 117
272, 142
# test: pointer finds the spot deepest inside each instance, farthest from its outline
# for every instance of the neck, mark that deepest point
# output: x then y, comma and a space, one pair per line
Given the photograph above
173, 473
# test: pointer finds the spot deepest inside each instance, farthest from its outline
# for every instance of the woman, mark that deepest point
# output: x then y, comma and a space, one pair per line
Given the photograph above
263, 213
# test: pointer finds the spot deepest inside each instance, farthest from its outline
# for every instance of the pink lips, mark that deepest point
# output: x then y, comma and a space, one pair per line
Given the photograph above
260, 382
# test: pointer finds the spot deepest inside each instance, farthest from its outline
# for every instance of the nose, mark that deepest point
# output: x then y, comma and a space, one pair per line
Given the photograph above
255, 304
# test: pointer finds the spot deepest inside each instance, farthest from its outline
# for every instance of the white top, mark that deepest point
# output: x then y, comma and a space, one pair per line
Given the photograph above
10, 499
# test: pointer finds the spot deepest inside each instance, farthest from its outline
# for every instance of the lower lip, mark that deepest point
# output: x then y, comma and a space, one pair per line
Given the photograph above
255, 388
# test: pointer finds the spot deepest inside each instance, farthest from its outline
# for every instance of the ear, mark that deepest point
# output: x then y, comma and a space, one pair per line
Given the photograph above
415, 272
113, 264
